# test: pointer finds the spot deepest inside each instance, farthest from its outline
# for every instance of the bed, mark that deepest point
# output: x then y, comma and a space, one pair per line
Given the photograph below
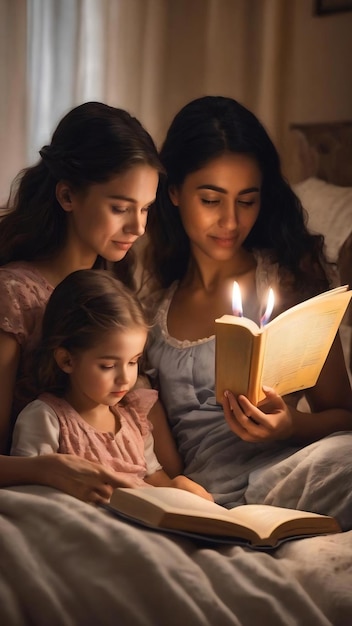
323, 172
67, 563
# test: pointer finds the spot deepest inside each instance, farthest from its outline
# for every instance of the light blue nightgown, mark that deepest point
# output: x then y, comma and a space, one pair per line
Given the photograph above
235, 471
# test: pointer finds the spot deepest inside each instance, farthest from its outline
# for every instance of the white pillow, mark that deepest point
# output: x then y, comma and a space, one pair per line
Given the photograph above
329, 210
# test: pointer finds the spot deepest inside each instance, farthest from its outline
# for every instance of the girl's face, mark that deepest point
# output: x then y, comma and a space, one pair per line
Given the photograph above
219, 205
105, 373
107, 218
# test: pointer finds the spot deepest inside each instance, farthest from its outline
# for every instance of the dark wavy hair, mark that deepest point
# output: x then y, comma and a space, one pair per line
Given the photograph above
203, 130
83, 307
92, 143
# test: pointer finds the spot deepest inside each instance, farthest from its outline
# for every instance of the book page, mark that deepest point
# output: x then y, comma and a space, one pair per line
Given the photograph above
240, 321
267, 518
298, 345
184, 510
169, 498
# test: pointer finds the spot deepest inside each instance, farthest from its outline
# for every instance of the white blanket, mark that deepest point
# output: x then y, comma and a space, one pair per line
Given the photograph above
66, 563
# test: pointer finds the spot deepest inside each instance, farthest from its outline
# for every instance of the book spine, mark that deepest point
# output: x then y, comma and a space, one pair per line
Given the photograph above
233, 355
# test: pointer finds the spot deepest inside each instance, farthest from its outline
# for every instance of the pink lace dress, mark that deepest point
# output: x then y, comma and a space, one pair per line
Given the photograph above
50, 424
24, 293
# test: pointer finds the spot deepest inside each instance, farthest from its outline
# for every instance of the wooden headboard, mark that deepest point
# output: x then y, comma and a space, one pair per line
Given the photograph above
324, 150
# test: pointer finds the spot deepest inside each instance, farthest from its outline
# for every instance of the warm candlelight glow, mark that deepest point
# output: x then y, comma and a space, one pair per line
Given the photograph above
236, 300
269, 308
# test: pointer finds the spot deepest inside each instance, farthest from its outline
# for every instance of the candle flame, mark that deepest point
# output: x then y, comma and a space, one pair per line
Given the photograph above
236, 300
269, 308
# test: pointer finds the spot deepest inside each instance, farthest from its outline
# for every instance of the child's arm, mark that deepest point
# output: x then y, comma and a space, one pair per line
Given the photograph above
165, 453
161, 479
164, 443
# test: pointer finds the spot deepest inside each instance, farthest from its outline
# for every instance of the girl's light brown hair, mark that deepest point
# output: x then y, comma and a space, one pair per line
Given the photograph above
83, 307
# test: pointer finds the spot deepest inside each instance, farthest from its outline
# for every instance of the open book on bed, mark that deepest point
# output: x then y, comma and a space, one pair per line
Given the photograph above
259, 525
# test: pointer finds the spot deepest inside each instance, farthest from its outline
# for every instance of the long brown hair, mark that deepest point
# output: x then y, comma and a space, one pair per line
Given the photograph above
203, 130
85, 305
91, 144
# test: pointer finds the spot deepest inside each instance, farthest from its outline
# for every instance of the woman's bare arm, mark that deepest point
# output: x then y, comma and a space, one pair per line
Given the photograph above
330, 400
78, 477
9, 360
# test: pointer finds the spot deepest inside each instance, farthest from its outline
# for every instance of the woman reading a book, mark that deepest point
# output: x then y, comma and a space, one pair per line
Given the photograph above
225, 213
82, 205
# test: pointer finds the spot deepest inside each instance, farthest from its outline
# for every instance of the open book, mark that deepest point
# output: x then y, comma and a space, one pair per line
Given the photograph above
287, 354
178, 510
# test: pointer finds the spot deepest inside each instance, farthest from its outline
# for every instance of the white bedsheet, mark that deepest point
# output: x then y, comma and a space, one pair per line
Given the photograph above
67, 563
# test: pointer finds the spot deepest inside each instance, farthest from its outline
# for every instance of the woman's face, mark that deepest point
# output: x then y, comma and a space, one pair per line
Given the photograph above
109, 217
219, 204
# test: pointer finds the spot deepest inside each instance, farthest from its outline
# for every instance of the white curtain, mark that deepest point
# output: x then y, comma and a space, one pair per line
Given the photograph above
13, 104
147, 56
51, 67
81, 50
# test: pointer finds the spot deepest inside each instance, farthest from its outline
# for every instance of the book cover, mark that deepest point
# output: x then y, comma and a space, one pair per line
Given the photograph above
287, 354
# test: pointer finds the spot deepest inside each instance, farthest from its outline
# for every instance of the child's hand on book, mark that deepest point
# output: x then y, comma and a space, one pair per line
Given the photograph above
271, 420
182, 482
161, 479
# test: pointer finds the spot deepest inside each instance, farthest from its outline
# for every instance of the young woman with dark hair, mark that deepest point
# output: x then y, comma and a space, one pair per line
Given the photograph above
225, 213
83, 205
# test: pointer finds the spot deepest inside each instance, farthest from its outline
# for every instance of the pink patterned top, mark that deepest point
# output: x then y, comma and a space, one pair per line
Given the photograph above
24, 293
50, 424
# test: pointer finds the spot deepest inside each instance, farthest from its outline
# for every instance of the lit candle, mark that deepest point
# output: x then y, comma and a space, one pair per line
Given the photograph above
236, 300
269, 308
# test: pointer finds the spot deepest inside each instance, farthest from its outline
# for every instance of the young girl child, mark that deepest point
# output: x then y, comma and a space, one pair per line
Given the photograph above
83, 205
224, 212
93, 336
